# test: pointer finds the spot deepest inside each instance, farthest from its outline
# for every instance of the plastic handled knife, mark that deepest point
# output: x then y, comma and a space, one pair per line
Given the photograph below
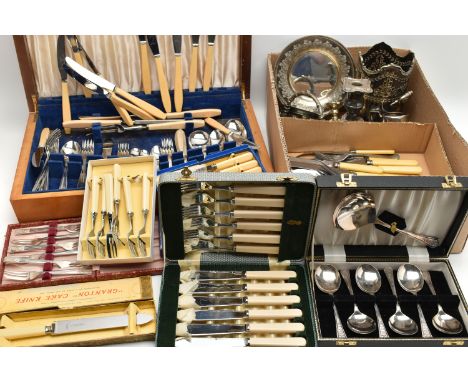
237, 275
118, 97
209, 63
72, 326
162, 79
178, 92
144, 64
192, 315
78, 50
241, 342
199, 288
193, 330
196, 302
66, 111
193, 75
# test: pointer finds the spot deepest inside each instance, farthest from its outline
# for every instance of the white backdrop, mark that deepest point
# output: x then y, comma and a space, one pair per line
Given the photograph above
443, 60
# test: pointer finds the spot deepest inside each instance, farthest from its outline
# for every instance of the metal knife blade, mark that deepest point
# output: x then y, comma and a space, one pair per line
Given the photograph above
77, 42
94, 323
153, 44
61, 57
142, 39
220, 301
211, 39
208, 288
215, 329
216, 275
219, 315
84, 76
195, 40
177, 43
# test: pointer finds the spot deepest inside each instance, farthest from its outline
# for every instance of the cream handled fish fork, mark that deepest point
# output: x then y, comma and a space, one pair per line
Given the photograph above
129, 206
117, 173
94, 213
100, 246
109, 189
145, 212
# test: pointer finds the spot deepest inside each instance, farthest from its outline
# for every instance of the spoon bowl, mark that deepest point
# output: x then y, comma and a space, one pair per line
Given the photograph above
410, 278
71, 148
400, 323
361, 323
327, 278
368, 279
445, 323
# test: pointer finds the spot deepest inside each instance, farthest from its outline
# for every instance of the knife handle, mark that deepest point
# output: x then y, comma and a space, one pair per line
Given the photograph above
402, 170
88, 123
277, 342
255, 170
200, 113
259, 226
79, 59
242, 166
94, 194
117, 173
146, 192
271, 288
109, 193
276, 328
217, 125
257, 250
374, 152
261, 190
145, 70
258, 202
255, 238
128, 195
163, 87
175, 125
103, 196
208, 68
66, 111
187, 301
22, 332
360, 167
180, 141
124, 106
143, 105
273, 300
250, 214
242, 158
193, 69
43, 138
393, 162
270, 275
274, 314
178, 93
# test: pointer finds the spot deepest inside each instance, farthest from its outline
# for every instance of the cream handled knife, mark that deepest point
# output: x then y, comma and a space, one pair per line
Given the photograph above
200, 288
73, 326
178, 92
198, 113
242, 342
192, 330
192, 315
163, 87
194, 63
237, 275
209, 63
144, 64
181, 143
66, 111
189, 301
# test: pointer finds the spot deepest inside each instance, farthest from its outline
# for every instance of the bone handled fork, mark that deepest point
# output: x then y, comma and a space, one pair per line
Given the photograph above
99, 244
94, 213
117, 173
110, 242
145, 212
128, 204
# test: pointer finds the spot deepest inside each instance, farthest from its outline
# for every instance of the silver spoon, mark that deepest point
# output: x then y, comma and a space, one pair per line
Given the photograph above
358, 209
400, 323
411, 280
358, 322
443, 322
328, 280
369, 281
71, 148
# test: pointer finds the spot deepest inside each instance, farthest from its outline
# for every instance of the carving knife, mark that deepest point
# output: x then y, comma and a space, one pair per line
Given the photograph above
99, 84
209, 63
236, 275
178, 93
192, 315
194, 63
189, 301
193, 330
144, 64
66, 111
77, 55
241, 342
199, 288
73, 326
163, 87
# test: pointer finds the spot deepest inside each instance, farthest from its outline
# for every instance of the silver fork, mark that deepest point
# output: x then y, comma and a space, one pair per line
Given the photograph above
66, 227
32, 275
70, 246
51, 146
64, 180
100, 246
129, 207
167, 147
25, 260
42, 240
144, 211
87, 148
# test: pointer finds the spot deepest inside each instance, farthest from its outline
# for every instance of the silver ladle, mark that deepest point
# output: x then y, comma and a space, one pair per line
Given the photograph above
443, 322
358, 209
328, 280
358, 322
369, 281
400, 323
411, 280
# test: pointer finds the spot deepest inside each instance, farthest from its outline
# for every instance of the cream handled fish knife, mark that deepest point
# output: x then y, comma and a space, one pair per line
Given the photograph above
209, 63
194, 63
163, 87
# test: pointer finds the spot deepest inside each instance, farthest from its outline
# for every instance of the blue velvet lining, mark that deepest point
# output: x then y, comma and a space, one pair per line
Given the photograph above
50, 115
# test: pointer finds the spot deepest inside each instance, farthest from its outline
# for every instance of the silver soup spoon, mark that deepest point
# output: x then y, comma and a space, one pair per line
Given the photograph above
369, 281
443, 322
411, 280
358, 322
400, 323
328, 280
